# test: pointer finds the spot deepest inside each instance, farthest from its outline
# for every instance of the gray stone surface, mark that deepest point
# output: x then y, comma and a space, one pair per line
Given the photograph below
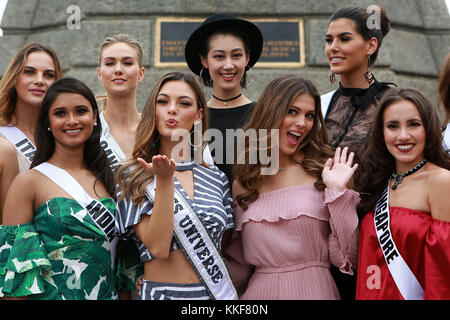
434, 14
54, 13
132, 7
19, 15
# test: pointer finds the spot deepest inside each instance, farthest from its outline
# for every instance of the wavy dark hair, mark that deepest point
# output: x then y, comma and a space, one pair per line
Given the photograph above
269, 112
94, 156
377, 164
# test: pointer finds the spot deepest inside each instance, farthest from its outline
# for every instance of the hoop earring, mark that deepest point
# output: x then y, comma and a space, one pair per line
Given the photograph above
369, 75
332, 78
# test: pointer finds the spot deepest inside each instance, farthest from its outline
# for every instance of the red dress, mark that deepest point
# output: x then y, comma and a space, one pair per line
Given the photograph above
424, 244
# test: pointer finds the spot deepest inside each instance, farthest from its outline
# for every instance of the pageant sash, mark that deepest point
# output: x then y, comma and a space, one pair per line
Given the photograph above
403, 277
20, 141
199, 248
102, 217
113, 152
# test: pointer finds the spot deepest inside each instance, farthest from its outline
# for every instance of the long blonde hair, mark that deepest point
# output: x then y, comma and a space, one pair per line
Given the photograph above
109, 41
131, 176
269, 112
8, 93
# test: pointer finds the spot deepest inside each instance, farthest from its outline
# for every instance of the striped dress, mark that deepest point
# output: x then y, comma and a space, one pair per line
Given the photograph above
212, 203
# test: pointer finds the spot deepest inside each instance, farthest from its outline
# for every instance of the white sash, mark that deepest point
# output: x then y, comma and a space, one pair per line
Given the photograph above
325, 100
102, 217
201, 251
113, 152
404, 278
20, 141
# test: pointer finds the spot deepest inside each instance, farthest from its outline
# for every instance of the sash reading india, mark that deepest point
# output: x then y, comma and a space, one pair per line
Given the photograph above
102, 217
199, 248
20, 141
404, 278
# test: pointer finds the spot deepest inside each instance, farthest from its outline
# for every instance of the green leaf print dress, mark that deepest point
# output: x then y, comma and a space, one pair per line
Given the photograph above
61, 254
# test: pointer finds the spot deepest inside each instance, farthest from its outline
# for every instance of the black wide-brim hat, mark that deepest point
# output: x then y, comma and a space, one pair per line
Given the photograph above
220, 22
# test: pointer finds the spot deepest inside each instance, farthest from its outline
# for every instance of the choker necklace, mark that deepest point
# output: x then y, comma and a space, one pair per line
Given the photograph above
398, 178
227, 100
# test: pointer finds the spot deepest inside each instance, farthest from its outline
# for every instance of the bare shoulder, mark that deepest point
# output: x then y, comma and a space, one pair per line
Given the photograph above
438, 187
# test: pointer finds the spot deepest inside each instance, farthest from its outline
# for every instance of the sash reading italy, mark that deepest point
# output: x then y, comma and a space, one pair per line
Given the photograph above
200, 250
113, 152
19, 140
404, 278
102, 217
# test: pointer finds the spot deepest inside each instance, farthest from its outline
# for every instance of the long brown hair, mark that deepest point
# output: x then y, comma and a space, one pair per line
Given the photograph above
131, 176
269, 112
444, 87
8, 93
377, 164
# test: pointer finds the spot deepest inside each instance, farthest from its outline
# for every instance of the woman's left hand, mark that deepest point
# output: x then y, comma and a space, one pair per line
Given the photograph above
338, 172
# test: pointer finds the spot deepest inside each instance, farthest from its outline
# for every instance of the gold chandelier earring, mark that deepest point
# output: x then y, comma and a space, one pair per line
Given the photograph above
369, 75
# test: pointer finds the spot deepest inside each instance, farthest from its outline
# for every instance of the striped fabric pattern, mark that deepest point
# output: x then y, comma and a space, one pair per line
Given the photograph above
212, 203
172, 291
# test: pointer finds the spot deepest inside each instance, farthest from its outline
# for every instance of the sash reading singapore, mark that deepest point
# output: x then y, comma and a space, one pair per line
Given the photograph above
200, 250
102, 217
20, 141
404, 278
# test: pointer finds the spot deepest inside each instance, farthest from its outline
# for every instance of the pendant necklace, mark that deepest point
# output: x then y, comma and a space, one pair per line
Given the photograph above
225, 101
398, 177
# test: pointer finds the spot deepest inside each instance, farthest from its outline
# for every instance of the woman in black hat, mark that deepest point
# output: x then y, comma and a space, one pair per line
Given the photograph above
222, 52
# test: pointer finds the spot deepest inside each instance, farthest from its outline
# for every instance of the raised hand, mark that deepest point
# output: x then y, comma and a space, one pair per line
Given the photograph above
337, 172
161, 166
